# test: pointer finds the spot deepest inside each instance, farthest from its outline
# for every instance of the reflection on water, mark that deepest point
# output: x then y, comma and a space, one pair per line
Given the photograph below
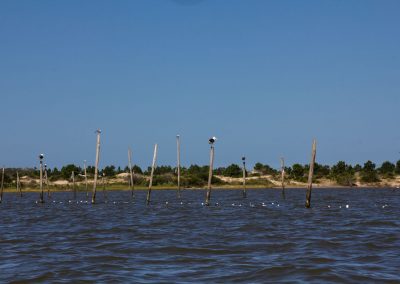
349, 235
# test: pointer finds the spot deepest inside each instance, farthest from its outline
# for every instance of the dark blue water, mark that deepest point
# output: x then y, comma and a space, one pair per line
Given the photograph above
349, 235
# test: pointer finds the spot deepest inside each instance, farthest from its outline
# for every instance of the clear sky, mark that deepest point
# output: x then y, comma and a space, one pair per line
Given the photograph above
265, 77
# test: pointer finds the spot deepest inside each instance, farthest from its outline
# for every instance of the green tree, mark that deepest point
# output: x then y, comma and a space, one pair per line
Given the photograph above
66, 171
219, 171
343, 174
387, 169
338, 169
137, 170
259, 167
55, 172
357, 168
161, 170
288, 171
398, 167
233, 171
321, 171
368, 173
264, 169
197, 174
298, 172
90, 170
109, 171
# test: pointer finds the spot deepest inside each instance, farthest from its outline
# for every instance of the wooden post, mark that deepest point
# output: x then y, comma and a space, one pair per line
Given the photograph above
244, 177
131, 172
152, 174
211, 141
2, 185
46, 180
310, 174
41, 156
283, 176
86, 180
178, 158
96, 166
73, 183
19, 190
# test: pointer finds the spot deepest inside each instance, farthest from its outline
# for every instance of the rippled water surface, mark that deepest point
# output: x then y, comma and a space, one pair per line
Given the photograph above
349, 235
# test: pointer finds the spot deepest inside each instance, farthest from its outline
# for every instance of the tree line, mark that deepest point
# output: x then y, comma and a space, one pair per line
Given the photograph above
197, 176
342, 173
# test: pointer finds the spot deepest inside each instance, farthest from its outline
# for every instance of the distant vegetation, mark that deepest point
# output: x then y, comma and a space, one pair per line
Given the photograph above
196, 176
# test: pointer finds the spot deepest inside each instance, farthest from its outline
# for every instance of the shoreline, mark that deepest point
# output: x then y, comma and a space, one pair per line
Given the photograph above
224, 187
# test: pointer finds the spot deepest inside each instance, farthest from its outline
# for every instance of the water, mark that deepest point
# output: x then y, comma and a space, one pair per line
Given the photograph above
349, 235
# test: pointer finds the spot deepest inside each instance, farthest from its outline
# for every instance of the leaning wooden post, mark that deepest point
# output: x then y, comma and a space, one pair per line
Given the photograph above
152, 174
283, 176
41, 156
86, 180
244, 176
19, 190
2, 185
178, 158
98, 131
311, 173
131, 172
211, 141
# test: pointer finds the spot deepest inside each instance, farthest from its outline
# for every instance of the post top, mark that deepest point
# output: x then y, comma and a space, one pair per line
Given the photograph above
212, 140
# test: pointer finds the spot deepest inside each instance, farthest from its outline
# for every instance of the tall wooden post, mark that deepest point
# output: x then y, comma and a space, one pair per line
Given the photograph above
46, 180
152, 174
310, 174
178, 158
2, 185
73, 183
283, 176
41, 156
86, 180
244, 177
96, 166
19, 190
211, 141
131, 172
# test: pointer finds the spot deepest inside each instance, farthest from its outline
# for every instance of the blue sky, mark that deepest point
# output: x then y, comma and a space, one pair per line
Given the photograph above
265, 77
